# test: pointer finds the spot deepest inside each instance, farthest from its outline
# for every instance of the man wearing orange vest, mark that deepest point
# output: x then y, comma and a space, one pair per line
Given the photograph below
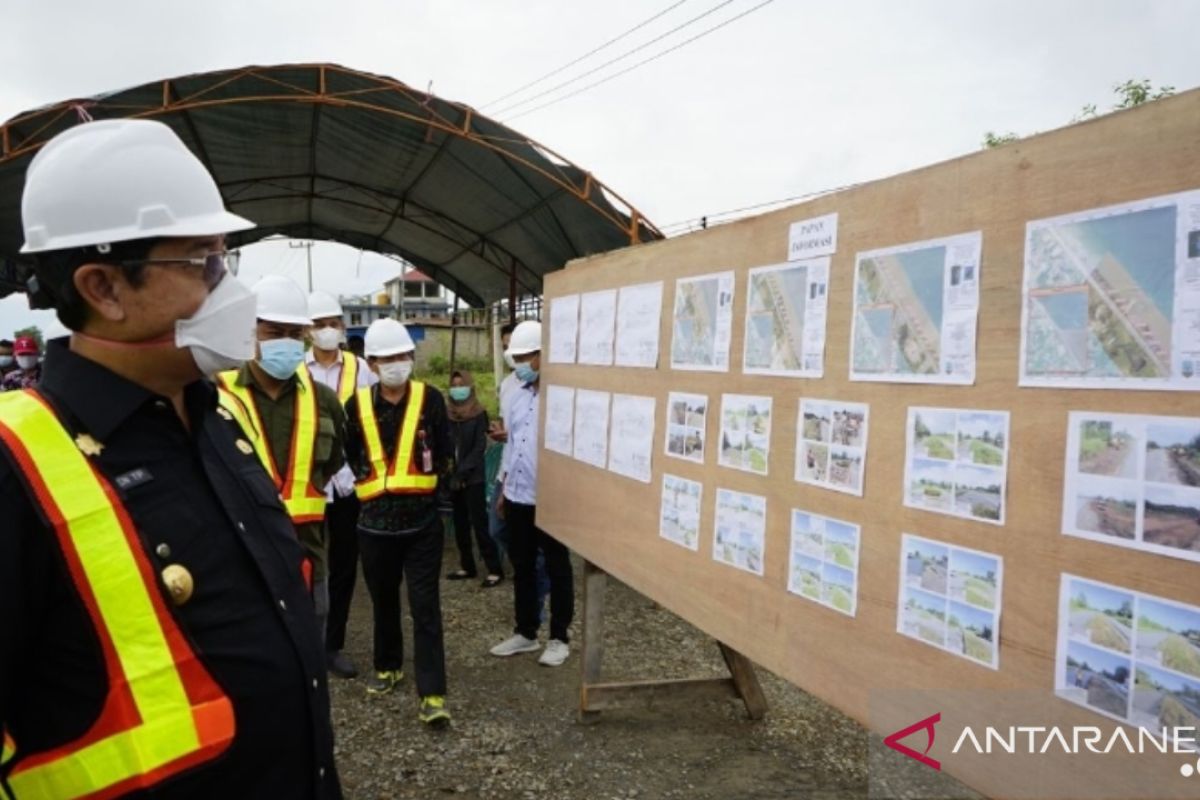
398, 442
156, 638
295, 425
345, 373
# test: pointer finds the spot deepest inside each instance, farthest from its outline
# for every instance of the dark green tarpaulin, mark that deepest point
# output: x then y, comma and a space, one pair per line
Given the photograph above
324, 152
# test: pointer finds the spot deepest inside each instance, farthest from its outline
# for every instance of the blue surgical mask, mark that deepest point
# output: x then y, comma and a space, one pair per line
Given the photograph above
526, 373
459, 394
281, 357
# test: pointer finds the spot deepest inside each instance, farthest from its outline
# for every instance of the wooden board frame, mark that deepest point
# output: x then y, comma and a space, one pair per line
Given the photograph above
861, 665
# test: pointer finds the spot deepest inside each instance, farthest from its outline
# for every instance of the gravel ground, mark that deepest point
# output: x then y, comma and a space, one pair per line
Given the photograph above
515, 732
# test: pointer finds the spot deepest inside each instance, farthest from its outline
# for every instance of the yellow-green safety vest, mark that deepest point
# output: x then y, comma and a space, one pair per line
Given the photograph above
402, 476
163, 712
303, 501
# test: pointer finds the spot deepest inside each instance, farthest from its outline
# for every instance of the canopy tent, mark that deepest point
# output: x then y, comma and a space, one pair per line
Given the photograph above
324, 152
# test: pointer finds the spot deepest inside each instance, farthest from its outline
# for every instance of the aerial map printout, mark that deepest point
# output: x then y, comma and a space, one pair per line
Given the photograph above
1134, 481
702, 322
915, 312
1112, 297
1130, 656
785, 319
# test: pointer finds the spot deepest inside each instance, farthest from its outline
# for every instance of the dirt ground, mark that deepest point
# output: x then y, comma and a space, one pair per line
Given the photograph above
515, 732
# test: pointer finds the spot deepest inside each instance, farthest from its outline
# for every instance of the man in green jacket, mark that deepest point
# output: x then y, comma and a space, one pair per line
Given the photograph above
295, 424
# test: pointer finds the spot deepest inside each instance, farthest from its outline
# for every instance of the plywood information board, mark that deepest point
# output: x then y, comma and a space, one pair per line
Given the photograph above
962, 505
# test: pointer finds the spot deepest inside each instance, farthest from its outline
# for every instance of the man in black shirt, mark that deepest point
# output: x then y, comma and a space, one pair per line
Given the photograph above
156, 638
398, 443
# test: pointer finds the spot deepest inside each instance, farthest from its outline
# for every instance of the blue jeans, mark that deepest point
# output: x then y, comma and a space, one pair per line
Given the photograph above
499, 530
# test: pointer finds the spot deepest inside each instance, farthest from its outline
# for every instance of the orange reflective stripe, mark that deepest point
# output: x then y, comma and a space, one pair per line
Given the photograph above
348, 381
162, 713
7, 747
303, 501
402, 477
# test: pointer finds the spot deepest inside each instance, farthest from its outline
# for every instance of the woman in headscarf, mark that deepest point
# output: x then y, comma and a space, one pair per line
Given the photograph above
468, 427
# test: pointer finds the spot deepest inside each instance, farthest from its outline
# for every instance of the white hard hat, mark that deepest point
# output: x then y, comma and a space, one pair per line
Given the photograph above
281, 300
526, 338
387, 337
322, 305
115, 181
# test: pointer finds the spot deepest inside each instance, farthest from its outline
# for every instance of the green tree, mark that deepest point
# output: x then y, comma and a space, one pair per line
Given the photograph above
1129, 94
35, 332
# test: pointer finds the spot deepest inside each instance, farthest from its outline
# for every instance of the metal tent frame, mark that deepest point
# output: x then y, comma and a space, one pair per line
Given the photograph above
320, 151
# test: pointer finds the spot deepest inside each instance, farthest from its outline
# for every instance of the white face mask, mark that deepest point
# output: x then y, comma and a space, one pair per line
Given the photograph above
326, 338
27, 362
6, 361
220, 335
395, 373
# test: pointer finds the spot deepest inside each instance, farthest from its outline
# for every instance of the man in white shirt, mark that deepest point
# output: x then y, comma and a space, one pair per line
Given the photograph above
519, 407
343, 372
496, 524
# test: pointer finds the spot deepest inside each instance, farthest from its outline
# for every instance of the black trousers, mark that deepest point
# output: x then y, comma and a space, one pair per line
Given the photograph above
417, 558
470, 512
525, 540
341, 518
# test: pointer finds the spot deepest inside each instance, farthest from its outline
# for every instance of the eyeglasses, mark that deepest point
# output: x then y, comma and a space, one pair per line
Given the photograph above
214, 264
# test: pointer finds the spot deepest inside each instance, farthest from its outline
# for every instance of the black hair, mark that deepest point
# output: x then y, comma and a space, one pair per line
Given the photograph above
55, 275
507, 328
6, 343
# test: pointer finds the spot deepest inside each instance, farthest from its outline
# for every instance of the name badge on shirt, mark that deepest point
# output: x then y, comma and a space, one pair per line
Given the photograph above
133, 479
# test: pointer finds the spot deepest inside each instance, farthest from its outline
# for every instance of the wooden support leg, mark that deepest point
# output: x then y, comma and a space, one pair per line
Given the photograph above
595, 696
595, 580
745, 680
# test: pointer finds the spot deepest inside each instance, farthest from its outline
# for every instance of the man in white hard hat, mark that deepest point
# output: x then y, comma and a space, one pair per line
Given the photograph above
345, 373
398, 442
156, 638
498, 433
295, 425
520, 411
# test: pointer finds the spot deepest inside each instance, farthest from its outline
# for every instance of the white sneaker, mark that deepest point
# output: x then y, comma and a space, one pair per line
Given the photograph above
555, 654
515, 644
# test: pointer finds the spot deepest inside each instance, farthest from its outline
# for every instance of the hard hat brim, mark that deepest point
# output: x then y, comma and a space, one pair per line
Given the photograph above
522, 351
209, 225
389, 351
285, 319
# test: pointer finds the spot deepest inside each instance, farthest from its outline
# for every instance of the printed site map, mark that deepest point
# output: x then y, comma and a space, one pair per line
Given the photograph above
1104, 292
915, 311
785, 319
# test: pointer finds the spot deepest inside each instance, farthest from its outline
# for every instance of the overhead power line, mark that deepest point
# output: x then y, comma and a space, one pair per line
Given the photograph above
612, 61
586, 55
643, 62
717, 217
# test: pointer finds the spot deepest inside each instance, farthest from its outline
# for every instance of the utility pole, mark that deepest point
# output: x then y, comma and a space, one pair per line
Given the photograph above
307, 252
